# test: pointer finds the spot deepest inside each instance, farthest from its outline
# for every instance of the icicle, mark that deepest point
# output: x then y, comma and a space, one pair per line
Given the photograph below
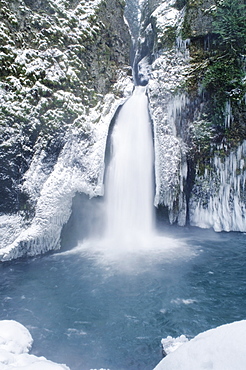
221, 192
183, 46
228, 114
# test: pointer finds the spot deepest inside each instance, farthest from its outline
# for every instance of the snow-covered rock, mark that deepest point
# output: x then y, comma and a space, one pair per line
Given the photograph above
166, 105
63, 85
222, 348
80, 168
15, 343
170, 344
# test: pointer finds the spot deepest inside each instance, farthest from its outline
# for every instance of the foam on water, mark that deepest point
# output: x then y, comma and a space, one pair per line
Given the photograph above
136, 256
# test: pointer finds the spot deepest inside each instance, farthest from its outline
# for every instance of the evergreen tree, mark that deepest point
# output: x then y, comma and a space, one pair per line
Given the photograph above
230, 24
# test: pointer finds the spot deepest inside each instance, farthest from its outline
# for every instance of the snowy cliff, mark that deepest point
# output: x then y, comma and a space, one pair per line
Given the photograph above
196, 89
66, 70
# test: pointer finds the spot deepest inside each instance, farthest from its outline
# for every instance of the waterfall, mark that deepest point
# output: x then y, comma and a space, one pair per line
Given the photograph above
129, 180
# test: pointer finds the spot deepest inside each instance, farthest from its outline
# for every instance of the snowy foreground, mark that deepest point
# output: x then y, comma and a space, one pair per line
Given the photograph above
15, 343
223, 348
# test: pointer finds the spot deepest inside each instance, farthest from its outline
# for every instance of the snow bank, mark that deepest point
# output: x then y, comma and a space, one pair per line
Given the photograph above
15, 343
222, 348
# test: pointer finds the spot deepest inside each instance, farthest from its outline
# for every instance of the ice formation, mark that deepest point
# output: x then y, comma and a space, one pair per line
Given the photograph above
80, 168
218, 199
170, 344
167, 73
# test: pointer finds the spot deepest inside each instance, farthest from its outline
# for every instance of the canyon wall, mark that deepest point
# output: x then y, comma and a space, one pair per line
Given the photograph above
67, 67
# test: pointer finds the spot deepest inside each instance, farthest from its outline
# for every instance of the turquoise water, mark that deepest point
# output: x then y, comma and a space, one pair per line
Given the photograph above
113, 315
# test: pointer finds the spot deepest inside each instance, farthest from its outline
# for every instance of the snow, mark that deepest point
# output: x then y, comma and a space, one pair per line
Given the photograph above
222, 348
166, 76
79, 168
166, 15
15, 343
10, 228
170, 344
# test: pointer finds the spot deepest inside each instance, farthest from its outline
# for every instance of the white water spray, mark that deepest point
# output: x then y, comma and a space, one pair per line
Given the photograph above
130, 240
129, 182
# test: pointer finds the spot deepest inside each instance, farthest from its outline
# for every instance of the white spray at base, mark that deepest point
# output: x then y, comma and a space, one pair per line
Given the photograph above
129, 180
128, 211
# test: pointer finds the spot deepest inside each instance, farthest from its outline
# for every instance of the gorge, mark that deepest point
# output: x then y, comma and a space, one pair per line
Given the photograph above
122, 138
199, 164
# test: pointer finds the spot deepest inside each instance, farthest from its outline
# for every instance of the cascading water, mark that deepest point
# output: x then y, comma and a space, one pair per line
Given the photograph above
128, 217
129, 181
129, 190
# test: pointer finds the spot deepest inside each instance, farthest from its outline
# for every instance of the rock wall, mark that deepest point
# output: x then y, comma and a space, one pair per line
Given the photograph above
58, 60
66, 67
197, 104
163, 63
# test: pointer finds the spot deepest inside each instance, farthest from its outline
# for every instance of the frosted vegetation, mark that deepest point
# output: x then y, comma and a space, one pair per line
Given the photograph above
66, 71
56, 106
54, 64
197, 100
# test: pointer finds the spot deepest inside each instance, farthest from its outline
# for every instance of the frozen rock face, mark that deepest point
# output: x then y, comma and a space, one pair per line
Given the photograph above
164, 60
198, 18
79, 168
66, 72
217, 129
186, 133
219, 196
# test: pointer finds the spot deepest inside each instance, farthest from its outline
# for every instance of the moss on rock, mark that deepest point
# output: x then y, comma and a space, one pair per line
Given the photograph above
57, 62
